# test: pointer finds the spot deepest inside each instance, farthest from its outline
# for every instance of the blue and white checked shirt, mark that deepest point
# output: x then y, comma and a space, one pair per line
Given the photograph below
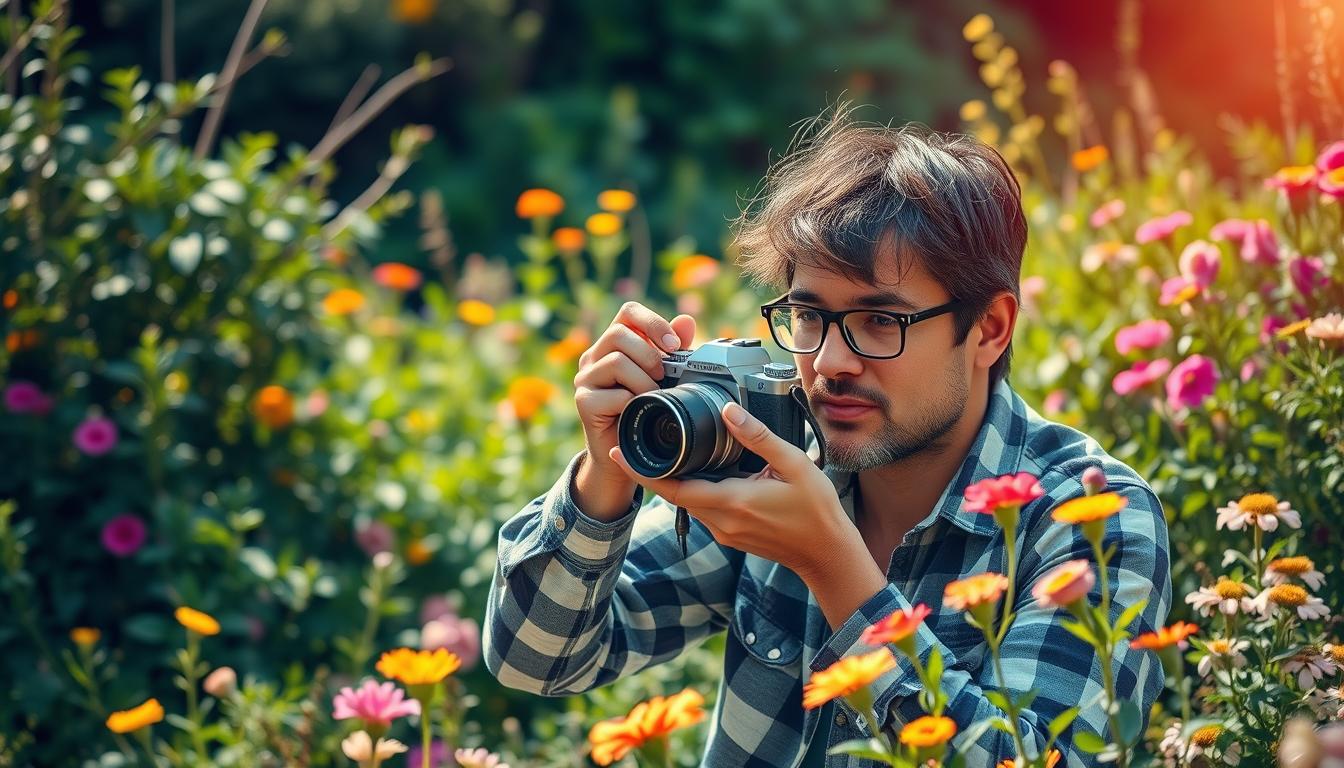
577, 603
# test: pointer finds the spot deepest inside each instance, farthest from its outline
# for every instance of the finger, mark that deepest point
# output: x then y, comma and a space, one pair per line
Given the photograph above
649, 324
684, 325
616, 369
787, 459
624, 339
602, 402
683, 493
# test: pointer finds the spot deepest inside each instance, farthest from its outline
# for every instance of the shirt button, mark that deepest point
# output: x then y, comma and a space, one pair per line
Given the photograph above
559, 523
773, 653
750, 638
840, 719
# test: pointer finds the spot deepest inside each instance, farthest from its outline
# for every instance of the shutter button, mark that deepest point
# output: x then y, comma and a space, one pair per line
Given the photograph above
559, 523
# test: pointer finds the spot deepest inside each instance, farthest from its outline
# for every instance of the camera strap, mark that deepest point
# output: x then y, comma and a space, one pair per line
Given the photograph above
800, 397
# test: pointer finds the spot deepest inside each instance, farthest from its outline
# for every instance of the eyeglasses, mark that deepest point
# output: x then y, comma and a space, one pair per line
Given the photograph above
873, 333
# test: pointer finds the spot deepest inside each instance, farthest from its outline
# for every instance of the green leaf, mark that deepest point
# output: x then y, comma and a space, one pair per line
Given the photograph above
1079, 630
1130, 613
1062, 721
934, 669
1088, 742
1130, 720
867, 748
997, 699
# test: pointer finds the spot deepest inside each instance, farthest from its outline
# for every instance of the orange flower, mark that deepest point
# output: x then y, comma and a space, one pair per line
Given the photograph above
616, 200
538, 203
656, 718
414, 667
1088, 509
694, 272
1085, 160
899, 626
412, 11
274, 406
343, 301
603, 224
569, 238
476, 312
928, 731
397, 276
1164, 636
418, 553
1052, 759
17, 341
335, 255
197, 621
974, 591
11, 299
85, 635
568, 349
846, 676
131, 720
530, 394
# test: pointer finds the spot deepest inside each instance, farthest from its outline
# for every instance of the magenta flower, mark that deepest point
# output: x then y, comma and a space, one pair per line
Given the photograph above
1200, 261
1249, 369
1332, 183
1162, 227
1255, 238
460, 636
1140, 375
1106, 213
375, 704
1178, 290
374, 537
123, 535
1270, 326
1191, 381
1331, 157
96, 436
26, 397
438, 755
1146, 334
1308, 274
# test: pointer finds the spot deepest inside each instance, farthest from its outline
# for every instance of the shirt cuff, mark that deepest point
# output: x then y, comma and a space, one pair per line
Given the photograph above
575, 536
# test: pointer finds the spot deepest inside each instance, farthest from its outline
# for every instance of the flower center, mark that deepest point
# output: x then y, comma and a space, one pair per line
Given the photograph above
1256, 504
1230, 590
1220, 646
1288, 594
1206, 736
1292, 566
1337, 654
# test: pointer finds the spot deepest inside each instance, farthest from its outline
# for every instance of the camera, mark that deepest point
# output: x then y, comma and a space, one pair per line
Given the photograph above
678, 430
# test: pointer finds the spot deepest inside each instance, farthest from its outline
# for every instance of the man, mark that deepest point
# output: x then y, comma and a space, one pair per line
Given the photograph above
795, 561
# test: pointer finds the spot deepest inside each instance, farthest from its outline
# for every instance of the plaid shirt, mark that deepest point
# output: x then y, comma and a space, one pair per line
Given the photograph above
577, 603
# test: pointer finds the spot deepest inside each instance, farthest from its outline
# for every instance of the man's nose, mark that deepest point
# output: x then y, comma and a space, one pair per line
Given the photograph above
835, 357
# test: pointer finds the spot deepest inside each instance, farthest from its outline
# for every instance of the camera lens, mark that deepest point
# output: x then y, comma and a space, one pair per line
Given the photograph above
677, 431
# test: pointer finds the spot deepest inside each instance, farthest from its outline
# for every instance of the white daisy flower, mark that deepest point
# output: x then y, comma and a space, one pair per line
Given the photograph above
1203, 742
1227, 597
1280, 570
1224, 653
1290, 597
1309, 666
1173, 746
1257, 509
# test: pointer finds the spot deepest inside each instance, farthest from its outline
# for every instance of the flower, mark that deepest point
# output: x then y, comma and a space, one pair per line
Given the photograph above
476, 312
1331, 183
438, 755
897, 626
1065, 584
1110, 252
1292, 329
538, 204
412, 11
1199, 263
1293, 180
1227, 596
1087, 159
846, 676
196, 621
26, 397
1310, 666
1177, 290
273, 406
1162, 227
1330, 327
694, 271
1223, 652
1259, 509
977, 28
418, 552
414, 667
655, 718
1255, 239
1145, 334
616, 200
1334, 652
376, 704
1094, 480
928, 731
123, 535
529, 394
375, 536
131, 720
96, 436
1087, 509
85, 636
397, 276
1291, 597
1191, 381
360, 747
973, 591
603, 224
459, 636
1331, 158
477, 758
1204, 742
1280, 570
569, 239
570, 348
1006, 491
1165, 636
1308, 274
221, 682
1106, 213
1173, 746
1052, 759
343, 301
1140, 375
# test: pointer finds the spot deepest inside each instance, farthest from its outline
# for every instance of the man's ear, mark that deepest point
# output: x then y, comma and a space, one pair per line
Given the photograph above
996, 329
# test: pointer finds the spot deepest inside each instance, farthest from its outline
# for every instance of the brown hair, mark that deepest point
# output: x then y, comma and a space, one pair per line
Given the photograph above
948, 200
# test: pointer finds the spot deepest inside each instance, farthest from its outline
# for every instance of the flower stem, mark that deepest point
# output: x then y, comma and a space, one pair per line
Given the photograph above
193, 706
424, 736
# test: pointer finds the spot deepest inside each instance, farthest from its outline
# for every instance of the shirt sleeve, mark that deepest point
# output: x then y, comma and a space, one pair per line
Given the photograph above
576, 603
1037, 652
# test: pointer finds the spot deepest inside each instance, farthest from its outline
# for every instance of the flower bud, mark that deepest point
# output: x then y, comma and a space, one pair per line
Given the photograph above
1094, 480
222, 682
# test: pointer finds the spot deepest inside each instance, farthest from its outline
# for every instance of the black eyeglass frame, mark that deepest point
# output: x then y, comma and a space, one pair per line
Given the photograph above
905, 319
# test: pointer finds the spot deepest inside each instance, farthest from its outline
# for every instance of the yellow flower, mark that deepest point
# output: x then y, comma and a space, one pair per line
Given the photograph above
1206, 736
538, 203
972, 110
1292, 329
694, 272
414, 667
616, 200
476, 312
603, 224
131, 720
1085, 160
85, 636
343, 301
928, 731
846, 676
530, 394
1087, 509
973, 591
196, 621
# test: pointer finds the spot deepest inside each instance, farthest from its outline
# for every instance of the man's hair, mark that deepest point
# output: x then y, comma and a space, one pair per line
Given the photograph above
837, 197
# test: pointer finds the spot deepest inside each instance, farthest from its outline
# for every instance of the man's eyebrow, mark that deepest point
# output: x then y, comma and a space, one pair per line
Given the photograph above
881, 299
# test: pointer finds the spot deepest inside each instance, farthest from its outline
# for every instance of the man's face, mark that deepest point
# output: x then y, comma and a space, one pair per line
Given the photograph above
916, 399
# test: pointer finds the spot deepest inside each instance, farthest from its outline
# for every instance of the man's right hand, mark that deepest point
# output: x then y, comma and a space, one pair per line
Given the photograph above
627, 360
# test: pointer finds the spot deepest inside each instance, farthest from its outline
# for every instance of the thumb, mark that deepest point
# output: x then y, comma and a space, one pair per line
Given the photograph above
684, 325
752, 433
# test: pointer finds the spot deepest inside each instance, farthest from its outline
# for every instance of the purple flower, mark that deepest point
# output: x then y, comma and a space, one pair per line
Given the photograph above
373, 703
374, 537
1146, 334
1200, 261
1255, 238
26, 397
1140, 375
1162, 227
439, 757
1308, 274
123, 535
1191, 381
96, 436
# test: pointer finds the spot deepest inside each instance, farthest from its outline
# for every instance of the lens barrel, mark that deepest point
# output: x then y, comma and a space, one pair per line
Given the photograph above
677, 431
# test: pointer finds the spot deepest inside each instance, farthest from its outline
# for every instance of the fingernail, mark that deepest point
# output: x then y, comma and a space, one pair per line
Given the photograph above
672, 342
735, 413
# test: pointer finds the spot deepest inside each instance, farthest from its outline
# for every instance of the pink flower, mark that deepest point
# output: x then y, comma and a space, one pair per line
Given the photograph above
1255, 238
1270, 326
1146, 334
1140, 375
1331, 157
26, 397
992, 494
1177, 290
96, 436
1191, 381
1055, 402
1032, 289
460, 636
1249, 369
1162, 227
374, 537
375, 704
123, 535
316, 403
1107, 212
1064, 584
1200, 261
436, 607
1308, 274
1331, 183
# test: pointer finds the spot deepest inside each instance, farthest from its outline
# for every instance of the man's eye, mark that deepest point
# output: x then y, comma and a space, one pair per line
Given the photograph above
805, 315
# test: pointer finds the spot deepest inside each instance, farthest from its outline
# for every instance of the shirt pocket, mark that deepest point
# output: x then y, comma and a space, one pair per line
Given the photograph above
757, 625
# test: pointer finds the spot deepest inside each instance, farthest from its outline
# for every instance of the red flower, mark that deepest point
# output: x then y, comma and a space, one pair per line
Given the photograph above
896, 627
990, 495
